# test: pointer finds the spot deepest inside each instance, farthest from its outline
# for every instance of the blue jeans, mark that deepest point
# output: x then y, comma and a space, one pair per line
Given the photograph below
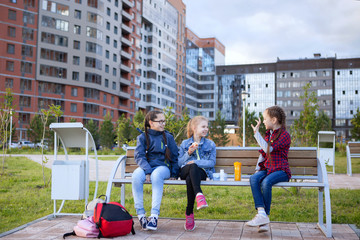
158, 175
261, 187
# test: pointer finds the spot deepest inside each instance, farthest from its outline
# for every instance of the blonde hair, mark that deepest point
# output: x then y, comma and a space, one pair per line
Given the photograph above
192, 123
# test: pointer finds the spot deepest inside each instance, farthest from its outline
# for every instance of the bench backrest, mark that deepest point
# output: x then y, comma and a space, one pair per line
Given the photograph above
354, 147
302, 161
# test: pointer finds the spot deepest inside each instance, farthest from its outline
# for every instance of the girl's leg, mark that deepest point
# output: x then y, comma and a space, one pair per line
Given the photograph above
255, 183
184, 175
266, 187
138, 179
158, 176
196, 174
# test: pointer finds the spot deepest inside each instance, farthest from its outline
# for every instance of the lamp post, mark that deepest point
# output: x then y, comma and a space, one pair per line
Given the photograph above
11, 115
243, 97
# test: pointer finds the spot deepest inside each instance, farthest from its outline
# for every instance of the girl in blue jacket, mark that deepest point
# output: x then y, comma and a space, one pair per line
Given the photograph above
197, 158
156, 154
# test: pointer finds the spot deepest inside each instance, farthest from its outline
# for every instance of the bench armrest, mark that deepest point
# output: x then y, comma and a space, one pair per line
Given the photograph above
121, 162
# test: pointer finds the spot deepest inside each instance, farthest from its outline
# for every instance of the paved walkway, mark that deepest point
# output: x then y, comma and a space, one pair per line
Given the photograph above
205, 229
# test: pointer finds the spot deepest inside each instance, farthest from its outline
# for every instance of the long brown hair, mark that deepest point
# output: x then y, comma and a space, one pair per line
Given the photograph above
278, 113
151, 116
193, 122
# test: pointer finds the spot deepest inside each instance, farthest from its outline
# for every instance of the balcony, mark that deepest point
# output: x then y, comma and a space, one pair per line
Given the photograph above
124, 95
128, 4
125, 81
125, 54
126, 28
126, 41
127, 16
125, 68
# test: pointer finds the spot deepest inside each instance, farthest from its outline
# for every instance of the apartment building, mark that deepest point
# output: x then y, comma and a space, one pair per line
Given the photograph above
336, 83
163, 55
81, 55
202, 55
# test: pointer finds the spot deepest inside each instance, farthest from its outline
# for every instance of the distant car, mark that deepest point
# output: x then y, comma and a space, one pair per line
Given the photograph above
46, 145
29, 144
14, 145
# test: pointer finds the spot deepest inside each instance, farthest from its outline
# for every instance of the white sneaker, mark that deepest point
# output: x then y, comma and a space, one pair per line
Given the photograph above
263, 228
258, 220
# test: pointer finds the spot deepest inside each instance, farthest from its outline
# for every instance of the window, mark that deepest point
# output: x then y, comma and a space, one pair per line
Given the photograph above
76, 60
356, 91
55, 23
28, 18
77, 29
106, 68
27, 51
112, 100
104, 98
78, 1
74, 92
52, 71
104, 111
73, 107
107, 26
115, 30
93, 63
26, 67
116, 16
53, 55
114, 71
108, 11
10, 48
107, 83
116, 3
75, 76
107, 54
114, 85
92, 78
76, 44
343, 92
114, 57
94, 48
12, 14
11, 32
77, 14
115, 44
25, 101
107, 40
29, 3
25, 84
9, 83
54, 39
27, 34
10, 66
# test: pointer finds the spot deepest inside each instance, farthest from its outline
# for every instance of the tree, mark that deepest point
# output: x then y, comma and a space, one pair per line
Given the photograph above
355, 132
250, 118
35, 129
217, 130
93, 129
176, 125
304, 130
5, 115
107, 134
123, 130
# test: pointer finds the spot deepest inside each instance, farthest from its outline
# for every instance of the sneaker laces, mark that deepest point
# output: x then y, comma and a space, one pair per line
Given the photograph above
152, 220
189, 219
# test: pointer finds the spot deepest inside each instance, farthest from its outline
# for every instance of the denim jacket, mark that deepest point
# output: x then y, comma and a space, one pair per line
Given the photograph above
206, 158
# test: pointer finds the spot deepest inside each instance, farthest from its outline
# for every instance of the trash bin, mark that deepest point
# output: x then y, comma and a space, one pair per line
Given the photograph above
326, 148
68, 180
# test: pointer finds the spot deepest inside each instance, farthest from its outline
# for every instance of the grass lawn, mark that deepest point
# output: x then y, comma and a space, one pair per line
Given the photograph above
341, 164
23, 199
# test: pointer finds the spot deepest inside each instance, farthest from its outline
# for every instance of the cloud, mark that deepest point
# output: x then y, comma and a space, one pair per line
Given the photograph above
261, 30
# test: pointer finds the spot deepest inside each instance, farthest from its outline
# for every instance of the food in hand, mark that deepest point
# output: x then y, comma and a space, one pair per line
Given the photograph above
195, 144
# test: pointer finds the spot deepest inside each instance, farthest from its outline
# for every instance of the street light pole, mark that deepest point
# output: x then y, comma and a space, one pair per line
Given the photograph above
243, 96
10, 128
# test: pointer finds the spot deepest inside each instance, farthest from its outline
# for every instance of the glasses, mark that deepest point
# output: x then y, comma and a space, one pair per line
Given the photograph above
161, 121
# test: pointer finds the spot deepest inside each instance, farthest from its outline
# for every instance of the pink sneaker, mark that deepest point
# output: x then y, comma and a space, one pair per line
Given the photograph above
201, 201
190, 222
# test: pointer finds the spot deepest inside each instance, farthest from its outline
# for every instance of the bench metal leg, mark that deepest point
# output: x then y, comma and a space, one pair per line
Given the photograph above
348, 161
327, 230
122, 192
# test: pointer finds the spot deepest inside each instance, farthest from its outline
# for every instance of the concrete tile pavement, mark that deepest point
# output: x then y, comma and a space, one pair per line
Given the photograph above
54, 228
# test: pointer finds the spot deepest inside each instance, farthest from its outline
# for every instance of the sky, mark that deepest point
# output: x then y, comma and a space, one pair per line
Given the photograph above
260, 31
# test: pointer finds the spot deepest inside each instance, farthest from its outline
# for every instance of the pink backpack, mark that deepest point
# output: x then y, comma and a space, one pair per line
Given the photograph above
85, 228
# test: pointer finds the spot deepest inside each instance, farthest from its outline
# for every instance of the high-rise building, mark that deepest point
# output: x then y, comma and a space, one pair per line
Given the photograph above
202, 55
336, 83
163, 55
81, 55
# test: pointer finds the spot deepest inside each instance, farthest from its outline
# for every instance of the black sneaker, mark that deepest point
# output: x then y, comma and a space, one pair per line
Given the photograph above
152, 223
143, 223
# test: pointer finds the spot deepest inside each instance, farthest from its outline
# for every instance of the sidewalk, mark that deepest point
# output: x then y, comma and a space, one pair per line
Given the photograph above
205, 229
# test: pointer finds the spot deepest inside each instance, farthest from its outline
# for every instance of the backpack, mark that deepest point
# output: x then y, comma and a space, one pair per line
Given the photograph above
113, 220
85, 228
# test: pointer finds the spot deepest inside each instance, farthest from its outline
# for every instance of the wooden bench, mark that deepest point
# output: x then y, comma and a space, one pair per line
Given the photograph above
352, 151
304, 165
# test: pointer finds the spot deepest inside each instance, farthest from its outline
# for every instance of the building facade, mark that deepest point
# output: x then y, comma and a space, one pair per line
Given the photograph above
163, 55
202, 55
336, 83
81, 55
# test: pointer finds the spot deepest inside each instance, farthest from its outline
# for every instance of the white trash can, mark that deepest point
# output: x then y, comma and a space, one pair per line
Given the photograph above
68, 180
